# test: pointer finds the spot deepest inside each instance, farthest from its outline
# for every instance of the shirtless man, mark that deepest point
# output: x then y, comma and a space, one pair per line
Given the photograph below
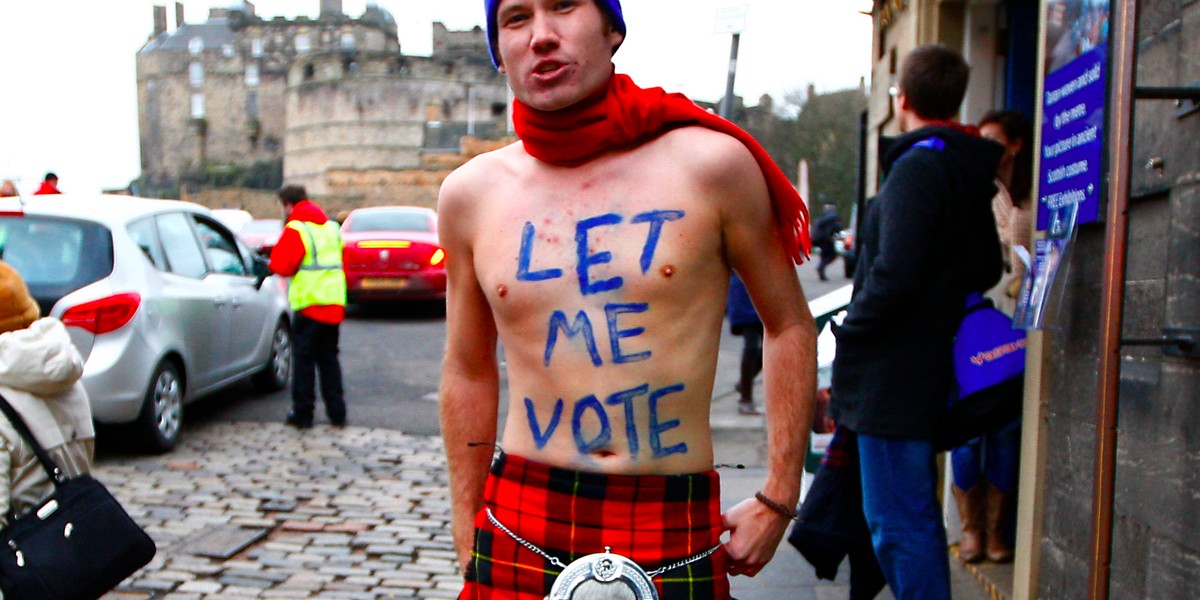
605, 277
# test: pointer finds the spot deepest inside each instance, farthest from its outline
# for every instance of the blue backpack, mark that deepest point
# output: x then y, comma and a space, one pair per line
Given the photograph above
989, 373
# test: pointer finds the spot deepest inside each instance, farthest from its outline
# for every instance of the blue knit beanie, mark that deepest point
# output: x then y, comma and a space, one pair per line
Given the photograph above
612, 8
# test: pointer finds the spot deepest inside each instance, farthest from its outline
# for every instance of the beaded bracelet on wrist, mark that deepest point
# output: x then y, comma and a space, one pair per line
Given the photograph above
775, 506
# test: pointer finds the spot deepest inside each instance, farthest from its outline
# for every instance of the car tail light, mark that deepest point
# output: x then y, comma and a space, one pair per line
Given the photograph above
103, 315
439, 255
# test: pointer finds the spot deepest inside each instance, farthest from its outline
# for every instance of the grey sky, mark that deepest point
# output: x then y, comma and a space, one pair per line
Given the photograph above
68, 98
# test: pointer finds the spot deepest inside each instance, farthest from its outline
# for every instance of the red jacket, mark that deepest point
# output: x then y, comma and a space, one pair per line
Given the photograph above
47, 188
289, 253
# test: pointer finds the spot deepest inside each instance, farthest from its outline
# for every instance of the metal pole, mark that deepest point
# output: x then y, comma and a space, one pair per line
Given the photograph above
1112, 301
727, 103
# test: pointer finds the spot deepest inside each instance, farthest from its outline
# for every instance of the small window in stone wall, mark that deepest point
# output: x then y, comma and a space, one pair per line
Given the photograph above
309, 71
196, 74
197, 106
252, 75
195, 46
227, 50
348, 41
303, 43
256, 47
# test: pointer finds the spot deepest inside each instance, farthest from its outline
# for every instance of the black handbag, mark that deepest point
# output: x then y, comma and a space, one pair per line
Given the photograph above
78, 543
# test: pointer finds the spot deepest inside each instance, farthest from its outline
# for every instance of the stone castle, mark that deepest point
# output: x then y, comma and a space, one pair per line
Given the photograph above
331, 103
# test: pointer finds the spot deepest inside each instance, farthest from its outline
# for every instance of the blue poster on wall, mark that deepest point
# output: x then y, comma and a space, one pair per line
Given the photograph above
1074, 92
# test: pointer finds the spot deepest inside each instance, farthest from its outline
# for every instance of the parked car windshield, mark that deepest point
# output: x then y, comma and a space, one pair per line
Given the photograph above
55, 256
389, 221
262, 226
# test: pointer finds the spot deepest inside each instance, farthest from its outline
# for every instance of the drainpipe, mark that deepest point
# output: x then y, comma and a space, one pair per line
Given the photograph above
1112, 301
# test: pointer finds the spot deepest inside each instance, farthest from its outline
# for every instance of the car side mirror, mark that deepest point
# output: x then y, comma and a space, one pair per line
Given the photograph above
262, 271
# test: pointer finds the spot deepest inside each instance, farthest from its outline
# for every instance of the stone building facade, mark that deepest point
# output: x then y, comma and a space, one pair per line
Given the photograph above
1156, 483
243, 97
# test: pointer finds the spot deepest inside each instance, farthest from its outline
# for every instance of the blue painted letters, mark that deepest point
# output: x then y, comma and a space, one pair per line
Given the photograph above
602, 437
587, 259
626, 398
657, 428
523, 272
612, 311
655, 218
541, 436
583, 325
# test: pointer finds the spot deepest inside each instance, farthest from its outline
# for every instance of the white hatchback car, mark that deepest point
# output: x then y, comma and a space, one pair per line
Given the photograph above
161, 299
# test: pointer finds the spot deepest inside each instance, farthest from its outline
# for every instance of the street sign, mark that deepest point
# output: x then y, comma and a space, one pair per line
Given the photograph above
731, 19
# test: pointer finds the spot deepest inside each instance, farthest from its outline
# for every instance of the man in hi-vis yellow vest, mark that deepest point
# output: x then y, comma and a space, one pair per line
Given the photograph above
310, 252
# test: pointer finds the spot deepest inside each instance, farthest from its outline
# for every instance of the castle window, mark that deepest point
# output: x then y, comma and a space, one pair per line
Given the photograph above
227, 50
309, 71
348, 41
303, 43
256, 47
197, 106
195, 46
196, 74
252, 75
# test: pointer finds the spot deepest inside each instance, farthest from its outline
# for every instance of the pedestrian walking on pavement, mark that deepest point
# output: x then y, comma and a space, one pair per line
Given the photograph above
928, 240
310, 252
597, 250
744, 322
824, 237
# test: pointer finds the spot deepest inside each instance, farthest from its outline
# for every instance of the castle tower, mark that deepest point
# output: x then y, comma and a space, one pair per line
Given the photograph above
331, 8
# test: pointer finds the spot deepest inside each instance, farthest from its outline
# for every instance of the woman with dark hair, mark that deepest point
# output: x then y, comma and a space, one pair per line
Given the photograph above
1011, 206
985, 469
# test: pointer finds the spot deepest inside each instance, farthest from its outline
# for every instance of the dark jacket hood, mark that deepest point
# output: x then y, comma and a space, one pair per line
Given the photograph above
975, 157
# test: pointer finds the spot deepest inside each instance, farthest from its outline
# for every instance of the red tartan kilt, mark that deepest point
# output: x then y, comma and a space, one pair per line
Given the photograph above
653, 520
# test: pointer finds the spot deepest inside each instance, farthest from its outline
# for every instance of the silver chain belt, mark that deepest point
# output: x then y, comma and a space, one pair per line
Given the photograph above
558, 563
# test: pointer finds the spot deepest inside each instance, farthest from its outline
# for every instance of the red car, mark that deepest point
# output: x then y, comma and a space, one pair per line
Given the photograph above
392, 253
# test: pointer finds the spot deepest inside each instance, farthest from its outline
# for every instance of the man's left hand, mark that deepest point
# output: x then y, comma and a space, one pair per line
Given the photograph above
754, 534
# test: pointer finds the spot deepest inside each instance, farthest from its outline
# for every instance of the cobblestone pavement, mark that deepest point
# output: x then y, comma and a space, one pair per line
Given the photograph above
324, 513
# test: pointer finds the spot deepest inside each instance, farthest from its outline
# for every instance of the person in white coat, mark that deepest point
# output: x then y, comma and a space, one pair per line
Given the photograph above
40, 374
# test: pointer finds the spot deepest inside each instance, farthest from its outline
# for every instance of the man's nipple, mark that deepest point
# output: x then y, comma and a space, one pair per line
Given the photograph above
667, 271
502, 290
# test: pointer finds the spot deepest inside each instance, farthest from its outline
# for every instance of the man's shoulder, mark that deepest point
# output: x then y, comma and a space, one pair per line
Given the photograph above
705, 152
487, 166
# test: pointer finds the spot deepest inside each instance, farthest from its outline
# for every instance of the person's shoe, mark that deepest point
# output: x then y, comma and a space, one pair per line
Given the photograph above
339, 423
997, 503
971, 507
746, 407
294, 420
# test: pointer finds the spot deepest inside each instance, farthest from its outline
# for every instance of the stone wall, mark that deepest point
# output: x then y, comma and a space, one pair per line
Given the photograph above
1157, 497
347, 189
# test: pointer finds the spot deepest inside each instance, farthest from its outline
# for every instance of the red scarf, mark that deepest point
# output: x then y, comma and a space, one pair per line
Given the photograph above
625, 115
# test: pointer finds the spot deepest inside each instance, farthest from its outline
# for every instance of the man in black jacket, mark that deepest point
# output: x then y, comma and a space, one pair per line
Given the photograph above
928, 239
824, 235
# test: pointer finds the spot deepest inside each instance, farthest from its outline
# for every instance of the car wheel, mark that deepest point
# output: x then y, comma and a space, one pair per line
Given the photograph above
162, 411
275, 374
